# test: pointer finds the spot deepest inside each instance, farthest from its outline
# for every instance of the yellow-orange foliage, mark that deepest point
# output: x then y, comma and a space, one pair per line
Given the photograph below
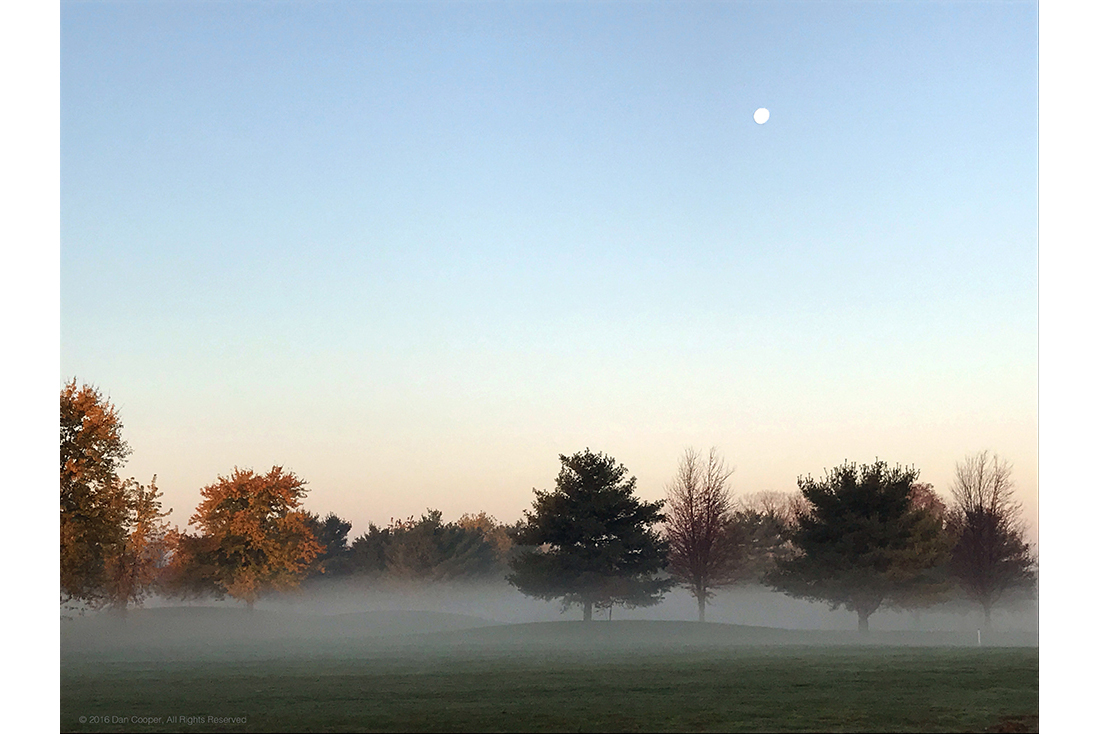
134, 571
93, 498
492, 530
258, 537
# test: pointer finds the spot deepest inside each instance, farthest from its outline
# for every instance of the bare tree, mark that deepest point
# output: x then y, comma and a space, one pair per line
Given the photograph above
783, 506
991, 554
703, 547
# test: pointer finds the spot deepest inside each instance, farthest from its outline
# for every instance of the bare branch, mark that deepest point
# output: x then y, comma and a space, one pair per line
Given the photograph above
703, 550
990, 553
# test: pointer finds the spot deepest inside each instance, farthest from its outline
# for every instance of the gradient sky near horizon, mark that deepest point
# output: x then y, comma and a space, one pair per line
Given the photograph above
414, 251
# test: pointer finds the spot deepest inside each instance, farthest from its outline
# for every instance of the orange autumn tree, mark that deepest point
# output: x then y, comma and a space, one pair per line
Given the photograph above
255, 537
150, 543
94, 503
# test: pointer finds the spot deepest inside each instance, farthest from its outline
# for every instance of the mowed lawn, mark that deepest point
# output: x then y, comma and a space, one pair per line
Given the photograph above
742, 688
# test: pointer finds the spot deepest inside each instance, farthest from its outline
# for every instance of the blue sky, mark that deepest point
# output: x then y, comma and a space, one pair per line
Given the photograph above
414, 251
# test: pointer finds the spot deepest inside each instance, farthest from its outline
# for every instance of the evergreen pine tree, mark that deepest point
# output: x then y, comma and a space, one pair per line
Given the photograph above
591, 542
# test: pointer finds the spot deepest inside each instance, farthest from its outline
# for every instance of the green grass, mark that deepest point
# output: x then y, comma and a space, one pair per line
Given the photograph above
609, 677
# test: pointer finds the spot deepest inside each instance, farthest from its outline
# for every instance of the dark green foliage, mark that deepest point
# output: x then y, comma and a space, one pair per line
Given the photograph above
368, 551
332, 534
763, 524
425, 550
764, 538
862, 541
591, 541
939, 588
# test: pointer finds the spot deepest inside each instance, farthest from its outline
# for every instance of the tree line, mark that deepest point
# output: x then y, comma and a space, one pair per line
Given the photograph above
860, 537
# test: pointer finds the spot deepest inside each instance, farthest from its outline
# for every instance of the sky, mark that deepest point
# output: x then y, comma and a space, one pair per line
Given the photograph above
415, 251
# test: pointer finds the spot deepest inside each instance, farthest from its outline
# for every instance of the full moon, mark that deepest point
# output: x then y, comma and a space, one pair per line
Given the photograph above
761, 115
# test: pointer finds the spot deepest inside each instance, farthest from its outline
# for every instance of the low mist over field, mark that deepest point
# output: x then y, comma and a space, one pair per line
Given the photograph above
331, 616
748, 605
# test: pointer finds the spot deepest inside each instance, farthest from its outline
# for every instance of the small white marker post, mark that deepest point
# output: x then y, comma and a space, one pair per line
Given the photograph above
979, 638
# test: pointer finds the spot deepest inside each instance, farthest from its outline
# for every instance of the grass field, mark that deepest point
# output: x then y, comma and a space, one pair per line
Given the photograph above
377, 674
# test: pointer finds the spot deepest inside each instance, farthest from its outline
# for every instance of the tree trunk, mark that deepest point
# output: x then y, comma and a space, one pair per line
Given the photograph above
864, 622
251, 605
702, 608
588, 611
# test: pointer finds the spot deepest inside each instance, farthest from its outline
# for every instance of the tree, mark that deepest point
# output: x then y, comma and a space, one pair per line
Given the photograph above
368, 551
704, 549
258, 539
414, 551
332, 535
474, 547
135, 570
591, 541
990, 553
938, 588
93, 499
763, 523
924, 497
494, 532
466, 552
862, 541
429, 549
191, 571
